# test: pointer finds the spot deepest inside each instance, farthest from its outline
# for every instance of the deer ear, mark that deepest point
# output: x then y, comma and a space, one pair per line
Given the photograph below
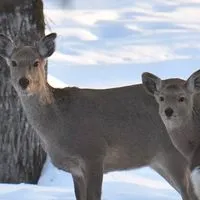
151, 83
47, 45
6, 46
193, 82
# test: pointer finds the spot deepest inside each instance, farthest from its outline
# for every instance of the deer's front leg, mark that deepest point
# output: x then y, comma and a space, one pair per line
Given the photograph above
94, 180
195, 169
80, 187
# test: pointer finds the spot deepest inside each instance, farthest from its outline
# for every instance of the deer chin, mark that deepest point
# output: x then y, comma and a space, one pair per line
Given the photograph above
29, 91
172, 122
26, 93
172, 118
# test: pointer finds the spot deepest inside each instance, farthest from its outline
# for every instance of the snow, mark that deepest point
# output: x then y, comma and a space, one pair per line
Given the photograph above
55, 82
56, 184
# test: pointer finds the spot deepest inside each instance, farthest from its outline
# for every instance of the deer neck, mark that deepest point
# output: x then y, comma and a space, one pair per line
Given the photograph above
194, 121
186, 136
40, 110
188, 125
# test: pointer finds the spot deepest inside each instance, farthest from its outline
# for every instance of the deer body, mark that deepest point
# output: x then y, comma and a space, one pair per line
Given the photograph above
179, 109
89, 132
83, 118
79, 119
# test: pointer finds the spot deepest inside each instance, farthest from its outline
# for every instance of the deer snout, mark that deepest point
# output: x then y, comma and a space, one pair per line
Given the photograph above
23, 82
169, 112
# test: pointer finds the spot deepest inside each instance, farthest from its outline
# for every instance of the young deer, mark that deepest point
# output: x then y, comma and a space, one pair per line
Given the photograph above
87, 132
179, 109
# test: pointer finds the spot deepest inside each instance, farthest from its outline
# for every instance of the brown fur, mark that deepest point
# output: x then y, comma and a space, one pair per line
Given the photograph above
38, 85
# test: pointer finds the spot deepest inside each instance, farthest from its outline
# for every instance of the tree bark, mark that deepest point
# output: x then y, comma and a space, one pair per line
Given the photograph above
21, 154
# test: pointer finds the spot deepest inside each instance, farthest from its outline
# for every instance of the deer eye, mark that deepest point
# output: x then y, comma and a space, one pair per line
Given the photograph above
181, 99
36, 64
14, 63
161, 98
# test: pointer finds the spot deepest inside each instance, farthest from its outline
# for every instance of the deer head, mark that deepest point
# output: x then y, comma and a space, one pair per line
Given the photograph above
27, 63
175, 97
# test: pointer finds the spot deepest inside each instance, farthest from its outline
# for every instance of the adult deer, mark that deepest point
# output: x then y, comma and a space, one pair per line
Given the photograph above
179, 109
88, 132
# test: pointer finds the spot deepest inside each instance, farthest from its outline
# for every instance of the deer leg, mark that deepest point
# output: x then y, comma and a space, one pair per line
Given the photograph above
195, 169
195, 176
80, 188
94, 180
175, 169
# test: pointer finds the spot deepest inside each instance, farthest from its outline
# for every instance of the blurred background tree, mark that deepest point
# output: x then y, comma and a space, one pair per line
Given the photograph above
21, 154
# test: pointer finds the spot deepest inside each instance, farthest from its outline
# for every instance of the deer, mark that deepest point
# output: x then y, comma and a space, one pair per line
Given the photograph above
89, 132
179, 109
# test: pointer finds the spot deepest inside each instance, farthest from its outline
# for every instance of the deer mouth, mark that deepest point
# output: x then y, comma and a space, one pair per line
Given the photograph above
169, 118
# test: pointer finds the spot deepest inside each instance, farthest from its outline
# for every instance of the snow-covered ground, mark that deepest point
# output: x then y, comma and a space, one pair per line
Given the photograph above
55, 184
107, 43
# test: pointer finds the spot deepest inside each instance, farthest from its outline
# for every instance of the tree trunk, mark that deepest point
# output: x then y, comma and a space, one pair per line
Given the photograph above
21, 154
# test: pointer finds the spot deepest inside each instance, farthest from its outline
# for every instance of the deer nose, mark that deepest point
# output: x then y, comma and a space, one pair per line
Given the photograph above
23, 82
168, 112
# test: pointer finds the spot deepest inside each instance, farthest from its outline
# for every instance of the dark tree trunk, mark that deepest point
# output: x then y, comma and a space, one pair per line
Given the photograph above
21, 154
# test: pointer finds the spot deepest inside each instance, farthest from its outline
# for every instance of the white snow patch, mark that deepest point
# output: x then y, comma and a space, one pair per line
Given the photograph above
54, 82
126, 177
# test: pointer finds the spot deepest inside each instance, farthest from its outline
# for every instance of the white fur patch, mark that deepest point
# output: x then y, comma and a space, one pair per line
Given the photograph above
195, 177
